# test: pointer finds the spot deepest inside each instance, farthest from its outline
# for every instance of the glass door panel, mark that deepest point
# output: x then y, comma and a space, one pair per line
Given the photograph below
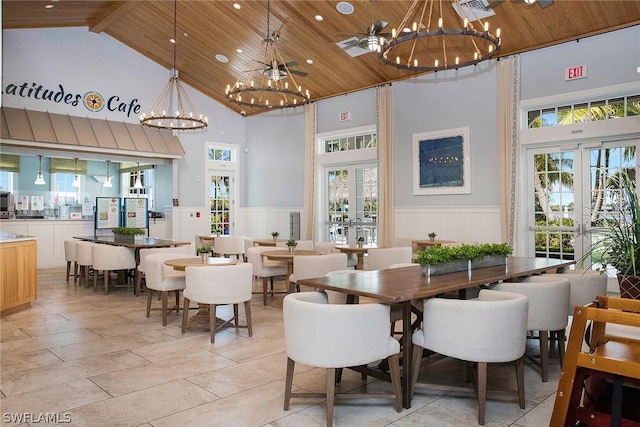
572, 194
352, 203
220, 193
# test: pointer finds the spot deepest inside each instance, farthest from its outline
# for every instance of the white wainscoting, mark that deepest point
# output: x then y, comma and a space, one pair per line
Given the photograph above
468, 224
51, 236
261, 222
465, 224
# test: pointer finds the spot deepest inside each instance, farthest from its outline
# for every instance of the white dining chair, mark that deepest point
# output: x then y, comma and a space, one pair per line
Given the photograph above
383, 258
308, 266
490, 329
108, 258
548, 311
164, 279
142, 264
215, 285
334, 336
71, 258
265, 272
230, 246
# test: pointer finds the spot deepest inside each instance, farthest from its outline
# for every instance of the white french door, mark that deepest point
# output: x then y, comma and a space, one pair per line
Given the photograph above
568, 194
351, 203
222, 195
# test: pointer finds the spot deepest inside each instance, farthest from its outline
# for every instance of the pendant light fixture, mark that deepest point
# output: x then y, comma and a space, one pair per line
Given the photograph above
107, 181
138, 183
174, 99
423, 41
76, 178
271, 85
40, 178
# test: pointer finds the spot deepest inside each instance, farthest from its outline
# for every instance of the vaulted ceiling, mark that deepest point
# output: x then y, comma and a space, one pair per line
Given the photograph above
210, 28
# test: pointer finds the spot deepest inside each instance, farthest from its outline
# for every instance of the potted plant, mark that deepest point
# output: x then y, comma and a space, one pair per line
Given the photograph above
291, 244
127, 233
275, 235
204, 252
447, 259
432, 236
616, 240
360, 241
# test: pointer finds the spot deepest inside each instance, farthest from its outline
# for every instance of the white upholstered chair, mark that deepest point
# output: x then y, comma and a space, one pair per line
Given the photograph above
262, 271
586, 285
142, 265
325, 248
230, 246
309, 266
219, 285
71, 258
490, 329
164, 279
84, 258
383, 258
107, 258
334, 336
548, 310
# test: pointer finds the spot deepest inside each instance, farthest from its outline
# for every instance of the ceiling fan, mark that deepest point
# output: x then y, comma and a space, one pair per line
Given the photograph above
527, 3
275, 70
369, 40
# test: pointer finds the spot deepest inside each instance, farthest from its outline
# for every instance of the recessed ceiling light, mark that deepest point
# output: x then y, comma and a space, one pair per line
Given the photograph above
221, 58
309, 61
237, 6
172, 40
345, 8
49, 6
319, 18
239, 50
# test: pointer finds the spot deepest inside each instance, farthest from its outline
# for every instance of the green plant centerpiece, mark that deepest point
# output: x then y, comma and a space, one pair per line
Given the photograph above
291, 244
616, 240
204, 252
127, 233
360, 241
275, 235
447, 259
432, 236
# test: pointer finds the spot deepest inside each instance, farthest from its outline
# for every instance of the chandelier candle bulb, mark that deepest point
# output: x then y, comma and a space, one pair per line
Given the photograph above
415, 27
486, 27
466, 23
498, 33
440, 23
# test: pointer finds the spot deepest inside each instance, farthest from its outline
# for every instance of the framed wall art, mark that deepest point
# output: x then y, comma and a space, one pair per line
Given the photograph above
441, 162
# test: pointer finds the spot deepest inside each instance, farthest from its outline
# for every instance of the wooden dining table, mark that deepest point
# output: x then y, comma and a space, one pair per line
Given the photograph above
422, 244
402, 285
286, 256
140, 242
360, 251
267, 242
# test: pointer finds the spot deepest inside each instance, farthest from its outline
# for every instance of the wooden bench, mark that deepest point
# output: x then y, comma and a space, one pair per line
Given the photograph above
601, 367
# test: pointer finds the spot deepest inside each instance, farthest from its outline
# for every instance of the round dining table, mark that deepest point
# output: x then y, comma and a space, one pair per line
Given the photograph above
199, 322
267, 242
360, 251
287, 256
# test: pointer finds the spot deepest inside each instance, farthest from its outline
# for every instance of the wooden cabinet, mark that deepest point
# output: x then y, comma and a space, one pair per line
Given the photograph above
18, 274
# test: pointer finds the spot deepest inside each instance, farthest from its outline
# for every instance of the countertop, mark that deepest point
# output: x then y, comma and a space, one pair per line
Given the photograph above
12, 237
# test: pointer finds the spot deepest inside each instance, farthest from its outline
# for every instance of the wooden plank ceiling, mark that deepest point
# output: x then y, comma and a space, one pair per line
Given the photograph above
208, 28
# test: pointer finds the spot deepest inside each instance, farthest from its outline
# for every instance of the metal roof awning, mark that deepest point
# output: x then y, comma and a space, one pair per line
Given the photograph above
29, 128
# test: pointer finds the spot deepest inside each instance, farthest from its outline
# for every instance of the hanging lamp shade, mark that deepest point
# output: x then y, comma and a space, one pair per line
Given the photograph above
40, 177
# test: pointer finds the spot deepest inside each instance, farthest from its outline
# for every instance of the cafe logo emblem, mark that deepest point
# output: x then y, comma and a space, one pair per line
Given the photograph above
93, 101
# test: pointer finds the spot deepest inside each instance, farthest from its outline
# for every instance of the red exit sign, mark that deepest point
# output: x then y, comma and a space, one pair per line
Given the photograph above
577, 72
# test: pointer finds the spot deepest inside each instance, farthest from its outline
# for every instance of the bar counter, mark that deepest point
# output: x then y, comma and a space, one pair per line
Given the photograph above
18, 272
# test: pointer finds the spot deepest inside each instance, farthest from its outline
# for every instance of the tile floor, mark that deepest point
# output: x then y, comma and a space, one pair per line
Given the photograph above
95, 360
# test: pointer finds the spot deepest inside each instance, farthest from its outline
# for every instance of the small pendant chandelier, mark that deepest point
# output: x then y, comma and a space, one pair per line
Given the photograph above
269, 86
174, 99
40, 178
